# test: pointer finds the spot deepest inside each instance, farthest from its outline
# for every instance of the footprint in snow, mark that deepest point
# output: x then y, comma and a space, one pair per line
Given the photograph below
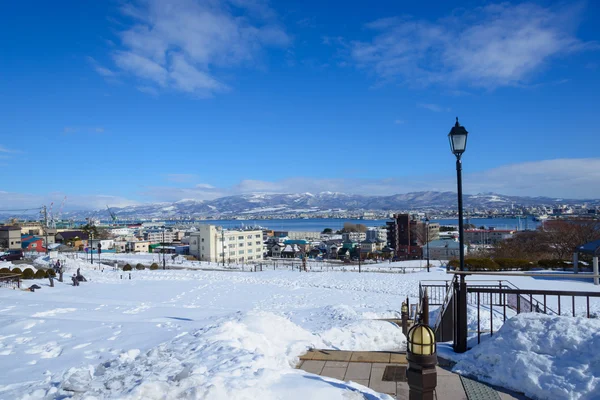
52, 313
81, 346
23, 340
65, 335
46, 350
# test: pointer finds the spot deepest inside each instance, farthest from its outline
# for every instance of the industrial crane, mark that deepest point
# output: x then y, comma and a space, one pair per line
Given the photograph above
112, 215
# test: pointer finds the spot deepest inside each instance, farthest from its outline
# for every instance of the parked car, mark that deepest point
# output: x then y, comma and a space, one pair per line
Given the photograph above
12, 255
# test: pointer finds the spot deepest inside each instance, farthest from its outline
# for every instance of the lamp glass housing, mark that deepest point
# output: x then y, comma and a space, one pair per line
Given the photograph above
421, 340
404, 308
458, 139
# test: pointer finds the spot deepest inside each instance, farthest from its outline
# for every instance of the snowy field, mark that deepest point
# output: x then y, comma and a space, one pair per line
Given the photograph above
223, 334
180, 262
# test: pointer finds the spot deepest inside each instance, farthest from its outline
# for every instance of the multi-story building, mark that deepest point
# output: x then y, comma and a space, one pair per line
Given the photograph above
10, 237
407, 235
377, 234
448, 249
159, 236
487, 236
215, 244
354, 236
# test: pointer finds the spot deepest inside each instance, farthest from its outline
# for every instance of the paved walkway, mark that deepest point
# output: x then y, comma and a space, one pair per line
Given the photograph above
370, 368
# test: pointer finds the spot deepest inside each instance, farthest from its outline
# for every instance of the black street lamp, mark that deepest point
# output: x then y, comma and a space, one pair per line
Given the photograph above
163, 249
427, 239
458, 144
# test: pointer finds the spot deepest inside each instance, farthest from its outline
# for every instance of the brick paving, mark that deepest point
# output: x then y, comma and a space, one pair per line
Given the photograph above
367, 368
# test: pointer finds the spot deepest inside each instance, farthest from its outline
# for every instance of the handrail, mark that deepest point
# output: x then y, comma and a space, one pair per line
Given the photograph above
445, 303
535, 292
493, 273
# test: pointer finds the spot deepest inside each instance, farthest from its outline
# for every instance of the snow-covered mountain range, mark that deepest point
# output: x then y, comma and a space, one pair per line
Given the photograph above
271, 203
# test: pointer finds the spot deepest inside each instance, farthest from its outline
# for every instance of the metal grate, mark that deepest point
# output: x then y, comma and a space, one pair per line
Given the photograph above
478, 391
394, 373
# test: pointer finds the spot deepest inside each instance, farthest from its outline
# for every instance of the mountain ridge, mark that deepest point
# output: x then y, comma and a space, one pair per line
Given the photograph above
295, 203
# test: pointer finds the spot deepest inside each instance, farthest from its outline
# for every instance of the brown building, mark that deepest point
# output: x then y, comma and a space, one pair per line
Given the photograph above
407, 235
10, 237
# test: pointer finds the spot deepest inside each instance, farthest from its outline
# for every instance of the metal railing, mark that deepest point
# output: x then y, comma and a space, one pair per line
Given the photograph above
9, 280
502, 295
523, 301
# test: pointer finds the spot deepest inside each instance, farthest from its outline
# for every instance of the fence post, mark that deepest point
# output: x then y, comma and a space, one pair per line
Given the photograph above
425, 308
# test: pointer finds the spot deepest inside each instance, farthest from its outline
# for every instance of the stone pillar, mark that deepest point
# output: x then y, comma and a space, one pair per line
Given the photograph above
575, 262
596, 280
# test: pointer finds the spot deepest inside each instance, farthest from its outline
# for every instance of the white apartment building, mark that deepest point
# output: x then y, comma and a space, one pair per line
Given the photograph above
213, 243
377, 234
159, 236
294, 235
354, 236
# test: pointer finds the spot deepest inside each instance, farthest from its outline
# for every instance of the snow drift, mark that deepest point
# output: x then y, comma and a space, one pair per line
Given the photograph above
251, 356
545, 357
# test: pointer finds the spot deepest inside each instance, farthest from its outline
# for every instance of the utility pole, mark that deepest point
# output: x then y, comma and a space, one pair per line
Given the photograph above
223, 244
46, 227
359, 251
91, 246
163, 250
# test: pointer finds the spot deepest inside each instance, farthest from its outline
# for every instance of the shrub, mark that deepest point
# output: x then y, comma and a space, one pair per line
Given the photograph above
127, 267
140, 266
554, 264
40, 274
4, 271
50, 272
154, 266
454, 264
28, 273
509, 264
480, 264
16, 271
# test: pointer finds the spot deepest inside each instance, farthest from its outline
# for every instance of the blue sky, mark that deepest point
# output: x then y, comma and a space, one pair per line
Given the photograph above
126, 102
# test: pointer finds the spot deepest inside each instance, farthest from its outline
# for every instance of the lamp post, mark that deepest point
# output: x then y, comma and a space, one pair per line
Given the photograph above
427, 239
163, 249
404, 316
359, 251
91, 246
422, 359
458, 144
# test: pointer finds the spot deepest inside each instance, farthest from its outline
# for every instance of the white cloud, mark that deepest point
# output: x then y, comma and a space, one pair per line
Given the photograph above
180, 45
180, 177
20, 201
432, 107
82, 130
6, 150
567, 178
560, 178
491, 46
105, 72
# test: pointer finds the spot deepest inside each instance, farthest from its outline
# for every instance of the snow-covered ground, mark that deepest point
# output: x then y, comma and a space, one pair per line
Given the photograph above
545, 357
200, 334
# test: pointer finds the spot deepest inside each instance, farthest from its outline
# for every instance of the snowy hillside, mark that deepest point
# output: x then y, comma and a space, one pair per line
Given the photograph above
275, 203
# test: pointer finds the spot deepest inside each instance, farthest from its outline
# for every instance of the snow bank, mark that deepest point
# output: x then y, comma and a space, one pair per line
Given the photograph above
251, 356
545, 357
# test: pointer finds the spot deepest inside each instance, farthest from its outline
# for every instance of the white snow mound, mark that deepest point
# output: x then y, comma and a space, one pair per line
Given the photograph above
250, 356
545, 357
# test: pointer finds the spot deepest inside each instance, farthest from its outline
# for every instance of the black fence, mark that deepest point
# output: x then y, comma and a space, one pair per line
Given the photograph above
501, 298
12, 281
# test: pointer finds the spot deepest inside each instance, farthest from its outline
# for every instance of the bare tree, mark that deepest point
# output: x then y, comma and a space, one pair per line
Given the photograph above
564, 236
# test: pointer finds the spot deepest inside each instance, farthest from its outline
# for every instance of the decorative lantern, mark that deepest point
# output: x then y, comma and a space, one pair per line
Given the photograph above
422, 359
